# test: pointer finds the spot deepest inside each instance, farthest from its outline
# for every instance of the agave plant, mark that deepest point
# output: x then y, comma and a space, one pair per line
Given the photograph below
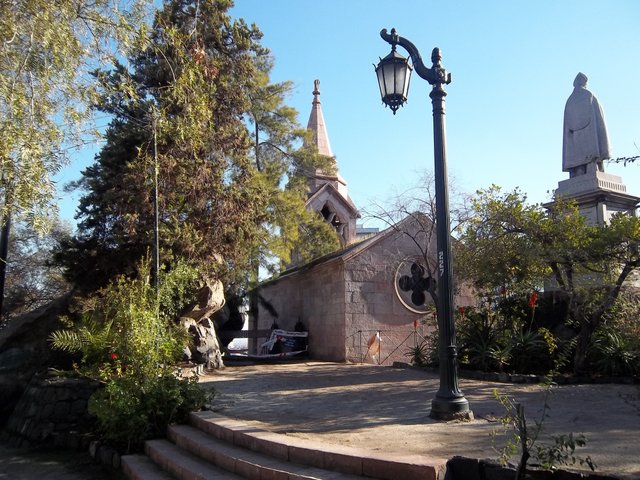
419, 354
612, 355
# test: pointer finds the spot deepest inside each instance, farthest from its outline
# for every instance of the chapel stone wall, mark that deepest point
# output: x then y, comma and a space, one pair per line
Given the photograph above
316, 298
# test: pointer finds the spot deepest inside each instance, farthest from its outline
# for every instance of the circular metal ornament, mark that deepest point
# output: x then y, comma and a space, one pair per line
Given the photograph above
412, 283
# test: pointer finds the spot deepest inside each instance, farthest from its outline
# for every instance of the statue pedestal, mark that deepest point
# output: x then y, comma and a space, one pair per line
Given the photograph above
599, 196
588, 182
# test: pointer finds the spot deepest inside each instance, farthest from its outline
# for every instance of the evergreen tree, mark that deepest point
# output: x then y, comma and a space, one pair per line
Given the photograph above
283, 154
182, 106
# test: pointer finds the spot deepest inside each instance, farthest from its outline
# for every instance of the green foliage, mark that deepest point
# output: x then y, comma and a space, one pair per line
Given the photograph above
178, 287
562, 452
530, 352
131, 409
194, 85
612, 354
125, 342
504, 339
419, 353
512, 246
478, 341
46, 51
284, 155
91, 339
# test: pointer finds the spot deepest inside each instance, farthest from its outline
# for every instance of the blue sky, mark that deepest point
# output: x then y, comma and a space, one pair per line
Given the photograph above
512, 62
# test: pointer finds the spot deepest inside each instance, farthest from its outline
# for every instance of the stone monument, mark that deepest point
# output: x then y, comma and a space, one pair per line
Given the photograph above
585, 146
585, 143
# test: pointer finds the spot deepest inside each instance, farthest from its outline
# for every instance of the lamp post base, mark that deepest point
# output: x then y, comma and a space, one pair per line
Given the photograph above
456, 408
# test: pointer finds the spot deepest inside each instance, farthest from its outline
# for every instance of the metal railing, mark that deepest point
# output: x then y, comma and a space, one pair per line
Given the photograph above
376, 343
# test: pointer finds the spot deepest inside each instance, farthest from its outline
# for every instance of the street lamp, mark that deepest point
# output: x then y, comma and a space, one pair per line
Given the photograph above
394, 73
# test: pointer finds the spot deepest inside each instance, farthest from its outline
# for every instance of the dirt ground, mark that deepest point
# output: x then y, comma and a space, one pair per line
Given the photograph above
384, 408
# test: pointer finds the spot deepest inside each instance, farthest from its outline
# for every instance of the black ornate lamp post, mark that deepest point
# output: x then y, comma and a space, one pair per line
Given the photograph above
394, 73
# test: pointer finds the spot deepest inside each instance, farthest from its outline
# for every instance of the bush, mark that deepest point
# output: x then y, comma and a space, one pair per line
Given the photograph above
615, 348
132, 346
478, 344
529, 352
130, 410
489, 340
611, 354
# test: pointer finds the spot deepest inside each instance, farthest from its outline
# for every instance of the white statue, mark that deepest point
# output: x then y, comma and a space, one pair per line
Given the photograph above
585, 142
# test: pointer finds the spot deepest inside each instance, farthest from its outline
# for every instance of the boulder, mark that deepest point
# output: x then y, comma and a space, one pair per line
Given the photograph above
210, 299
204, 348
24, 350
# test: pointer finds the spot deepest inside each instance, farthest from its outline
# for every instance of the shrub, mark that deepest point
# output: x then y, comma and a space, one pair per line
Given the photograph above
478, 337
488, 340
529, 352
611, 354
130, 410
132, 346
418, 354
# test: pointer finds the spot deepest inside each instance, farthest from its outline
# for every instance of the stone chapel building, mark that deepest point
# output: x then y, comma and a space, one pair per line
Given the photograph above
353, 302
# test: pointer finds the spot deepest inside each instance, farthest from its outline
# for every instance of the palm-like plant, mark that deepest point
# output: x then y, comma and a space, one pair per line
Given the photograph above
612, 355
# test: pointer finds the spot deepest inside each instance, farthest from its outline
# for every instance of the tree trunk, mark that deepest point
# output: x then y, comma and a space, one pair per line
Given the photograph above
4, 248
580, 364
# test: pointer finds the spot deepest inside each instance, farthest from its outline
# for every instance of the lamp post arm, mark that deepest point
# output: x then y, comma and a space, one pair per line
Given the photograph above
433, 75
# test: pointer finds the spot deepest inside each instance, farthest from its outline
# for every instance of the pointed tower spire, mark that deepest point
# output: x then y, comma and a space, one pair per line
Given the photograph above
328, 193
316, 124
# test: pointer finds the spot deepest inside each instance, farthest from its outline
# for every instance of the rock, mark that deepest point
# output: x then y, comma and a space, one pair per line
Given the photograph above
210, 299
204, 348
13, 358
229, 319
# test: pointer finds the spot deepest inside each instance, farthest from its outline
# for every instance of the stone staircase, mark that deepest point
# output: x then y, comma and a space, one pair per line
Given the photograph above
216, 447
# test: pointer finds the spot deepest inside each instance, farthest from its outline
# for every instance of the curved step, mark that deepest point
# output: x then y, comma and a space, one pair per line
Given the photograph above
181, 464
343, 459
141, 467
216, 447
246, 463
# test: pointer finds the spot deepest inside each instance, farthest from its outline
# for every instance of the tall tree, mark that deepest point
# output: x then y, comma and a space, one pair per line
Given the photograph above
32, 280
181, 107
46, 50
512, 244
284, 156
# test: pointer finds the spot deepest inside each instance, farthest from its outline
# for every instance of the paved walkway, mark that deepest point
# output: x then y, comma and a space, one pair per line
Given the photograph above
386, 409
50, 464
383, 408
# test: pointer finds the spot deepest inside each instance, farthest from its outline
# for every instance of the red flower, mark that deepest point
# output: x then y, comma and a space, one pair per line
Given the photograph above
114, 356
533, 299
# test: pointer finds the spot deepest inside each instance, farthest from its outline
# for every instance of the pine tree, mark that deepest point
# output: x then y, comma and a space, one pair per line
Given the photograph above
183, 104
284, 155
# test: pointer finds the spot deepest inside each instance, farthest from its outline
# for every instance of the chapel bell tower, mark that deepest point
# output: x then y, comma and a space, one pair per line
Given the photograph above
328, 192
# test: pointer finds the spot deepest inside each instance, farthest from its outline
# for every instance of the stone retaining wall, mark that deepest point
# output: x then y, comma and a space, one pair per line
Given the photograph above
52, 410
462, 468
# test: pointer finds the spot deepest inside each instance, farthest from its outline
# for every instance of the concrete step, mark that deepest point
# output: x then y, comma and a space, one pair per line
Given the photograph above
216, 447
183, 465
246, 463
141, 467
348, 460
